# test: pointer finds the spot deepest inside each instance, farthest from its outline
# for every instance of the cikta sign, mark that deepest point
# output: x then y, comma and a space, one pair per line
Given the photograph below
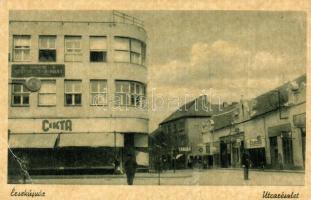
63, 125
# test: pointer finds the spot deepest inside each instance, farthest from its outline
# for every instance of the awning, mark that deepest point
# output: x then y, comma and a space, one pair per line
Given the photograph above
32, 140
179, 156
277, 130
91, 140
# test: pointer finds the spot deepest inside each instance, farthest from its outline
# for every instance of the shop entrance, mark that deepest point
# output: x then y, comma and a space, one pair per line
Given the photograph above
224, 155
257, 157
274, 151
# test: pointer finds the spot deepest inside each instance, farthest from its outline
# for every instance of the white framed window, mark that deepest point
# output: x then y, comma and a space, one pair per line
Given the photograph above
47, 48
47, 93
98, 92
20, 94
21, 48
73, 92
98, 49
130, 93
129, 50
73, 49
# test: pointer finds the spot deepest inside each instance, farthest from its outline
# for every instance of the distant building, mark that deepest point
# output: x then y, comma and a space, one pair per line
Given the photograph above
90, 109
181, 134
270, 127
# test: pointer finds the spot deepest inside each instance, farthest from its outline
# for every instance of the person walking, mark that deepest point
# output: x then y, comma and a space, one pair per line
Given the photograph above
130, 166
245, 164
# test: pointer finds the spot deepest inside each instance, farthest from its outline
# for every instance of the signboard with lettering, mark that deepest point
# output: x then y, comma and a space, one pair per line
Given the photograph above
62, 125
258, 142
185, 149
38, 70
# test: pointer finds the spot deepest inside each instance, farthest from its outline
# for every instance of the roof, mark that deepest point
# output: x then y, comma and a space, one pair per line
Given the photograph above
223, 120
196, 108
74, 16
273, 99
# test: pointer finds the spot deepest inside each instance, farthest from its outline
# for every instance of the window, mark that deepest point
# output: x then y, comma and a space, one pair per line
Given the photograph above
73, 51
47, 49
73, 94
129, 50
20, 95
98, 92
21, 49
98, 49
130, 93
47, 93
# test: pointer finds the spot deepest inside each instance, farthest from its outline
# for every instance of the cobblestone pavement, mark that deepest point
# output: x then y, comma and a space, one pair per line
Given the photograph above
215, 177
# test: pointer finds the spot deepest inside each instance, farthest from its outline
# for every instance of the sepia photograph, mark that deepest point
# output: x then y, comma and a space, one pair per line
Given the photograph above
157, 97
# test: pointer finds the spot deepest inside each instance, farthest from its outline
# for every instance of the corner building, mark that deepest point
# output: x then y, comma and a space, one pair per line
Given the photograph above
91, 105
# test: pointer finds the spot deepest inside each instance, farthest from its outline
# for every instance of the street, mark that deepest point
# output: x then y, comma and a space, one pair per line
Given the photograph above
184, 177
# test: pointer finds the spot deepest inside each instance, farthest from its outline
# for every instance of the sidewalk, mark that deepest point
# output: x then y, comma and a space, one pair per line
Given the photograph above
262, 170
165, 174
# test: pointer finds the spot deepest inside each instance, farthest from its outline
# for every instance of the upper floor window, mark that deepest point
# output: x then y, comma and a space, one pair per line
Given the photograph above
73, 92
47, 49
20, 94
130, 93
98, 92
21, 48
47, 93
98, 49
129, 50
73, 50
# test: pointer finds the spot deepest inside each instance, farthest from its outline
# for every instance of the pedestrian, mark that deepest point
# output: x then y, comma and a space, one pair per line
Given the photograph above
130, 166
245, 164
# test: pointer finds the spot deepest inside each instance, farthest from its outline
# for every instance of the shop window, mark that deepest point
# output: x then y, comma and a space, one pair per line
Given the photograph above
73, 51
47, 49
98, 49
73, 94
130, 93
129, 50
21, 48
47, 93
20, 95
98, 92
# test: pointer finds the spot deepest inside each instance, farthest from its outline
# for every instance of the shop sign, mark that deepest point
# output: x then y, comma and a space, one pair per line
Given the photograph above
38, 70
63, 125
256, 142
186, 149
300, 120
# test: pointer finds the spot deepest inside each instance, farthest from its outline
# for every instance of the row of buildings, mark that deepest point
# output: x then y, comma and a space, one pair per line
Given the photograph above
77, 85
270, 127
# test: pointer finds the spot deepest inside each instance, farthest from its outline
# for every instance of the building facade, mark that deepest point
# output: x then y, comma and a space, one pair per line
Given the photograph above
271, 128
77, 88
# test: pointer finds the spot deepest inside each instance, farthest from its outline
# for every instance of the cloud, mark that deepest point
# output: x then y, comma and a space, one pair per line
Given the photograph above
223, 66
226, 69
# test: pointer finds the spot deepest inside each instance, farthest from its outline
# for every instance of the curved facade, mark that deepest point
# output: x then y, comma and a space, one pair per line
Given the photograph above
92, 99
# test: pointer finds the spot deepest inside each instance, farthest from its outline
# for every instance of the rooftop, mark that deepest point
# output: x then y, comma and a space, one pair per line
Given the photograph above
77, 16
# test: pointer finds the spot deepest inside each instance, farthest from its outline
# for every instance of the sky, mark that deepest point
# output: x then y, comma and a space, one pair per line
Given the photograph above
230, 54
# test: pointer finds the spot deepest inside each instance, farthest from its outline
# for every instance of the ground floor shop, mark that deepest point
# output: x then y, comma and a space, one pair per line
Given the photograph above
40, 153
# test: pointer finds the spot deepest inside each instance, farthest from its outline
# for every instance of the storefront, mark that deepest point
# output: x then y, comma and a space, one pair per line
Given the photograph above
281, 146
256, 149
67, 144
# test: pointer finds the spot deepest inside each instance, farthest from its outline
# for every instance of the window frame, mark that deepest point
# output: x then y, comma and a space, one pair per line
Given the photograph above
21, 93
142, 95
47, 93
98, 92
24, 48
104, 51
72, 93
74, 54
49, 48
131, 51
